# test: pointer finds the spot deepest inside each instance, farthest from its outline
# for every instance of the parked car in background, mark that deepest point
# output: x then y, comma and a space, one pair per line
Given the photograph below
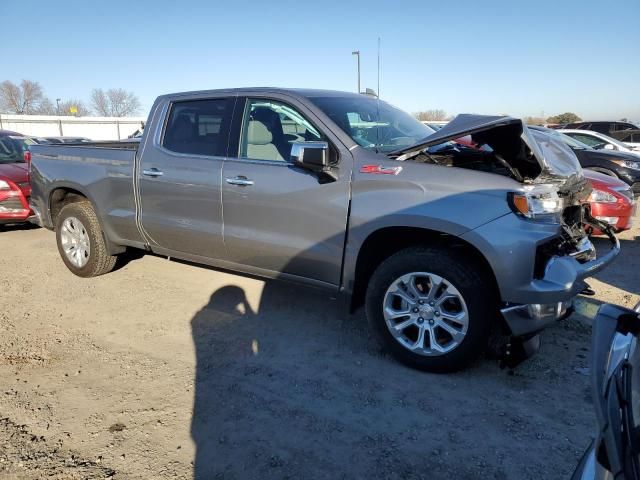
611, 200
606, 127
631, 138
340, 191
622, 165
599, 140
4, 133
68, 139
14, 180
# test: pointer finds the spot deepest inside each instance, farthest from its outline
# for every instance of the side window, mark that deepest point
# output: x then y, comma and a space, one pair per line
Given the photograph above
623, 126
602, 127
631, 138
270, 127
587, 139
199, 127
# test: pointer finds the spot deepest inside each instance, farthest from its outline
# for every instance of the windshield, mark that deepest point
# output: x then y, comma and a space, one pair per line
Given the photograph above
373, 124
11, 150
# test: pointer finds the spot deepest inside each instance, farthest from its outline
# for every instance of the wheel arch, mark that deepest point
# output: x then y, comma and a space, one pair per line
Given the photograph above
384, 242
64, 194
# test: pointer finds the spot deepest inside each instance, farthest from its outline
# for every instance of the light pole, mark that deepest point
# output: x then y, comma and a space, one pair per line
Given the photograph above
58, 106
357, 53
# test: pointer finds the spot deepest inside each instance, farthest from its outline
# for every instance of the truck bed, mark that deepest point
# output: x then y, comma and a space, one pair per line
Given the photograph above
90, 153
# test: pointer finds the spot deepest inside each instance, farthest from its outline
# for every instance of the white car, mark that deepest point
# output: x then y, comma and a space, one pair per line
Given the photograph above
599, 140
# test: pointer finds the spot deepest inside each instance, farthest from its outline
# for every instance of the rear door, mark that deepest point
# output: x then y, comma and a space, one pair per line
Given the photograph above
278, 217
179, 177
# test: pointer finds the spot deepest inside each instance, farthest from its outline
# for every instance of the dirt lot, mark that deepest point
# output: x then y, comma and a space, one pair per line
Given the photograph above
165, 370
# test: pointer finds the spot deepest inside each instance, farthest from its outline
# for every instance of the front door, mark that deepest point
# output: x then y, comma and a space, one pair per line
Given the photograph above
179, 178
278, 217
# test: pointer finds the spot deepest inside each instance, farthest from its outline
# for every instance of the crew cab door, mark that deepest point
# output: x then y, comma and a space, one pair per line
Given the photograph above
179, 177
278, 218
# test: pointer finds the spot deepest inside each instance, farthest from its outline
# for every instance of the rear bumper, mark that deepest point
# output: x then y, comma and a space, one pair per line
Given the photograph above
13, 207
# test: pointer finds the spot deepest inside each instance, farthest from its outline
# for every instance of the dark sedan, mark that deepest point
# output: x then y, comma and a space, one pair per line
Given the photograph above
624, 166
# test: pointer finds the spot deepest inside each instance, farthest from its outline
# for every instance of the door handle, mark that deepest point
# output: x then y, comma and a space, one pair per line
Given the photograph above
152, 172
240, 181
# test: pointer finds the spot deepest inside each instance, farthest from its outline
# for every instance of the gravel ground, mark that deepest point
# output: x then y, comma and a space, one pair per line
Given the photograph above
167, 370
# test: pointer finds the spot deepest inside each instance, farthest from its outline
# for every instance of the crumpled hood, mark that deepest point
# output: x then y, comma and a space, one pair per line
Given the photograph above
16, 172
538, 157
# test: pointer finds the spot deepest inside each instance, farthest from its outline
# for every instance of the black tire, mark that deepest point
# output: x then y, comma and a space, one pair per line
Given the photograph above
99, 260
459, 270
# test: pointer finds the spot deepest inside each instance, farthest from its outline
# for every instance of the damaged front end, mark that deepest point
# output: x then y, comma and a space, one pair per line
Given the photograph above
552, 191
553, 187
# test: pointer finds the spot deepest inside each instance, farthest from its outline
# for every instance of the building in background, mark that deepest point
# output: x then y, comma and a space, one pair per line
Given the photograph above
95, 128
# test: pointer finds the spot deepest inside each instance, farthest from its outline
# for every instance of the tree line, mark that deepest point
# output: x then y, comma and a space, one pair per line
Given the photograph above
28, 98
437, 115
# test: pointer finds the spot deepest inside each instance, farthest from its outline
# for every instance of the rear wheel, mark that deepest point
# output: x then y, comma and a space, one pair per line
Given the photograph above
80, 241
430, 309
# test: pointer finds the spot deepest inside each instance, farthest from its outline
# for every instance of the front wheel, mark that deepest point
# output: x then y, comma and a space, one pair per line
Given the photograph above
430, 309
80, 241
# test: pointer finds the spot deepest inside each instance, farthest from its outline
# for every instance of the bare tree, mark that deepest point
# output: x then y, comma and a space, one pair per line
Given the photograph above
81, 109
46, 107
115, 102
24, 99
100, 103
431, 115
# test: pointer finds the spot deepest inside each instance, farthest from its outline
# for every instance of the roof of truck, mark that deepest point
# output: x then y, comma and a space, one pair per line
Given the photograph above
302, 92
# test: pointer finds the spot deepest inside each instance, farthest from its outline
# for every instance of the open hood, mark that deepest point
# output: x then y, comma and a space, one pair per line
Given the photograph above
533, 154
464, 124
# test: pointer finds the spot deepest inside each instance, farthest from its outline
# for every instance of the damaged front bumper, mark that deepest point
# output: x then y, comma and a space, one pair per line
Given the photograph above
562, 280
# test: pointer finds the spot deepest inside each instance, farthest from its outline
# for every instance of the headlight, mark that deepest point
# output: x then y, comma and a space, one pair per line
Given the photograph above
538, 202
4, 185
600, 196
628, 164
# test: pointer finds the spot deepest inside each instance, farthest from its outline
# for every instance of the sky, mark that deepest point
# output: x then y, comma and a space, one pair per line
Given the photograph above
536, 57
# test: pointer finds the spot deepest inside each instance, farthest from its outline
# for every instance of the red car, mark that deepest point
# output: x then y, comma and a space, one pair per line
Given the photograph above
611, 201
14, 180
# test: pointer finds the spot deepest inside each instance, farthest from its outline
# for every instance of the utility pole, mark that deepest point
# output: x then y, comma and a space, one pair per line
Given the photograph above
58, 106
357, 53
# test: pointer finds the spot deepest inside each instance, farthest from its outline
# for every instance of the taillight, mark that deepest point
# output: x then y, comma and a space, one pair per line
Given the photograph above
27, 156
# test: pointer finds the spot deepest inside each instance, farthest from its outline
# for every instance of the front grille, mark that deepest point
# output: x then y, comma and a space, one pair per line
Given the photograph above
12, 203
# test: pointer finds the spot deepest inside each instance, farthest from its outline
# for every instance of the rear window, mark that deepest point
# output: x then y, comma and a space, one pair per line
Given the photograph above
199, 127
11, 150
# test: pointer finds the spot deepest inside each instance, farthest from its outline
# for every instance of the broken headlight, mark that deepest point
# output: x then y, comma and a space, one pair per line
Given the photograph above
600, 196
538, 202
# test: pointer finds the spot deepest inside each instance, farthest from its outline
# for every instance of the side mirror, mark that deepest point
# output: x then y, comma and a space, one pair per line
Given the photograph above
310, 155
609, 146
313, 156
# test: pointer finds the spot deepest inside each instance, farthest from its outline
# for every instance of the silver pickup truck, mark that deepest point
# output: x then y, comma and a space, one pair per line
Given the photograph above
443, 244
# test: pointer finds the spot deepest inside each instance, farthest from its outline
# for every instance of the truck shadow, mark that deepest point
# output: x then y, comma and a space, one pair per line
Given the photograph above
295, 388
